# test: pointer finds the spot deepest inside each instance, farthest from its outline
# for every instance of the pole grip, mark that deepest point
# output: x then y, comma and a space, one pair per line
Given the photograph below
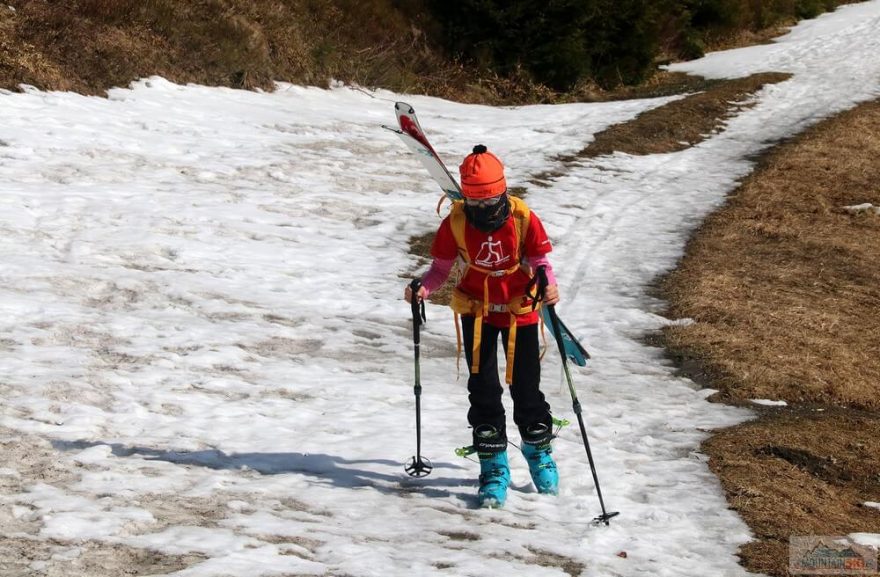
418, 308
542, 281
539, 284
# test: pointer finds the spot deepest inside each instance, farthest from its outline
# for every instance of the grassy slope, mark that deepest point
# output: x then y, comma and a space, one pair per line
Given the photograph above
785, 287
91, 45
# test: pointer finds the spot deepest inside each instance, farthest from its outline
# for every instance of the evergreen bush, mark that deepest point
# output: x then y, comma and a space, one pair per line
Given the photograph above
559, 43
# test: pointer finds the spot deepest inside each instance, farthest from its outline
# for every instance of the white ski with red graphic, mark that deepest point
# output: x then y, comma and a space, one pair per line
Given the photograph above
413, 136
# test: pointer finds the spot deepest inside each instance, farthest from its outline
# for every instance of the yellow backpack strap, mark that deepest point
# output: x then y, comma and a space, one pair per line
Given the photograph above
521, 217
457, 221
457, 345
511, 350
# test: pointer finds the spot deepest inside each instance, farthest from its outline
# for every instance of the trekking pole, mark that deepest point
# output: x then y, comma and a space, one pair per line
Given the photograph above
576, 404
418, 467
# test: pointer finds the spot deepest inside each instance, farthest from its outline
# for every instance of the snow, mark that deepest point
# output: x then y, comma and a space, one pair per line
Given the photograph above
769, 403
867, 539
203, 329
864, 207
872, 504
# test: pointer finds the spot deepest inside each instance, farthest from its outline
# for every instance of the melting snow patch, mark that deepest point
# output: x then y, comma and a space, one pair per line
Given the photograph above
867, 539
860, 208
871, 504
769, 403
685, 322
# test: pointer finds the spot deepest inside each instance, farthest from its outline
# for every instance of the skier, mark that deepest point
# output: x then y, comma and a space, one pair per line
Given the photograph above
501, 243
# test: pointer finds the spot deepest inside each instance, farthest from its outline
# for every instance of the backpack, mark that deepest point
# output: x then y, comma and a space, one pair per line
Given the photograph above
463, 304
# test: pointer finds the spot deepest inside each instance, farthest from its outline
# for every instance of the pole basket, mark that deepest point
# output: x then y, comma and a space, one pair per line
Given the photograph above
605, 518
419, 467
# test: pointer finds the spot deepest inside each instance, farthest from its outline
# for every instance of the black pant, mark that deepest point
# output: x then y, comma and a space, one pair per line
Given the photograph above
529, 407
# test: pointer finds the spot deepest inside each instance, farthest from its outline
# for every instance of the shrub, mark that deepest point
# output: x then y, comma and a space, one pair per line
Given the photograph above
545, 39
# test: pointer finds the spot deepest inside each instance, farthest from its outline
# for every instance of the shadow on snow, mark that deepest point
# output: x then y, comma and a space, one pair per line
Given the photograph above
329, 469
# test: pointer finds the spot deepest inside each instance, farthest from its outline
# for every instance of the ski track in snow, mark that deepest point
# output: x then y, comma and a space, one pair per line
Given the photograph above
205, 353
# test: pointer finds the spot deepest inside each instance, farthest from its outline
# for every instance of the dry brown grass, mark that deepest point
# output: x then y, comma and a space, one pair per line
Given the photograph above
681, 123
674, 126
784, 286
799, 472
784, 282
91, 45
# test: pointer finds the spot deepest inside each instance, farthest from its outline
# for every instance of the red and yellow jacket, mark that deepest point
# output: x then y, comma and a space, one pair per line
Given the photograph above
492, 287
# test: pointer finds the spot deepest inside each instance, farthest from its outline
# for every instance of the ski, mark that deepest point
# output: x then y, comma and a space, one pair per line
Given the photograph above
575, 352
409, 123
412, 135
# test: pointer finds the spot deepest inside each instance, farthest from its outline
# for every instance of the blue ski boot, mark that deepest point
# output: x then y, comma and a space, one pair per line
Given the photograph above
542, 468
537, 451
494, 479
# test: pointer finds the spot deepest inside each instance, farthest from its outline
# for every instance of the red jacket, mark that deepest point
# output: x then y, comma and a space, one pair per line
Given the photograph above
495, 251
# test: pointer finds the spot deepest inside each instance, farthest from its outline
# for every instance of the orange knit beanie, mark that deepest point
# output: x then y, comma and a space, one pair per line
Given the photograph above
482, 174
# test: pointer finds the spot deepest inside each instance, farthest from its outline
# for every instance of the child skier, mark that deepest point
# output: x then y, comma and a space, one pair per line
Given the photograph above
501, 243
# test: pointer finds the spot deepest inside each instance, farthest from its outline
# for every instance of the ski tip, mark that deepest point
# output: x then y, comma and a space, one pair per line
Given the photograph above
404, 107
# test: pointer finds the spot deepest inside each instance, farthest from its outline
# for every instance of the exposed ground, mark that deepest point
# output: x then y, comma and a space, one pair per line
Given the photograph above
784, 286
89, 46
23, 554
682, 123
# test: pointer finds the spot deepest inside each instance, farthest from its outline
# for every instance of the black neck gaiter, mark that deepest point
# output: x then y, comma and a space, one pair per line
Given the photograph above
488, 218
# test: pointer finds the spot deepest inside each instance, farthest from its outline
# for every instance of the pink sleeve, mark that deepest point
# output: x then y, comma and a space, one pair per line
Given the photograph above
536, 261
437, 274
